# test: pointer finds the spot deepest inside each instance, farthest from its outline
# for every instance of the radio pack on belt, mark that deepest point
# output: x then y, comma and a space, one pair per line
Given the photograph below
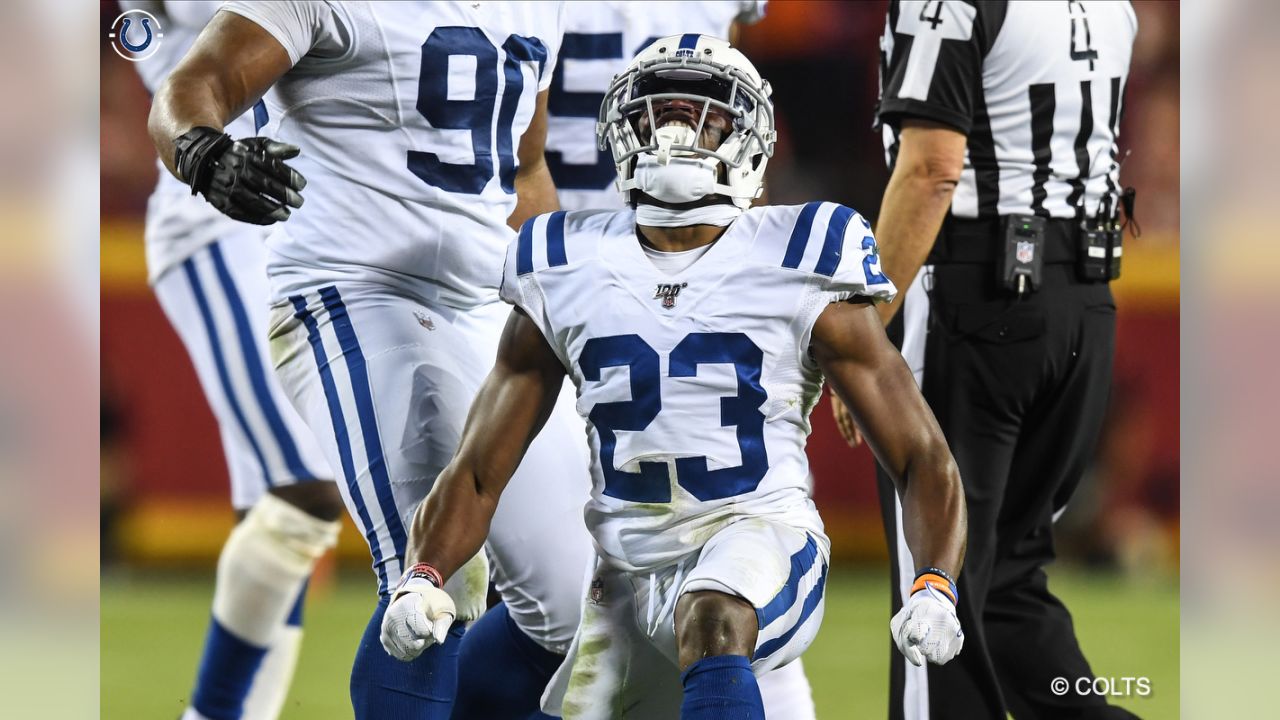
1100, 250
1101, 239
1019, 247
1022, 261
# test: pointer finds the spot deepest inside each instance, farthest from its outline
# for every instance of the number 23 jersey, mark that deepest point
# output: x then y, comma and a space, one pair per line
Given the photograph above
696, 385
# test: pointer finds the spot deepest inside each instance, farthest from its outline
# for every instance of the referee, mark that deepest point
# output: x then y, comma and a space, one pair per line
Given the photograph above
1000, 122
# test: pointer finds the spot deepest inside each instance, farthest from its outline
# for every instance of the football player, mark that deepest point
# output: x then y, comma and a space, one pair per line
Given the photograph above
421, 130
697, 332
599, 41
209, 274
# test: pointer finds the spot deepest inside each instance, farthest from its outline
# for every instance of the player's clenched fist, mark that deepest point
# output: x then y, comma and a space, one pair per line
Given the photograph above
926, 628
419, 615
247, 180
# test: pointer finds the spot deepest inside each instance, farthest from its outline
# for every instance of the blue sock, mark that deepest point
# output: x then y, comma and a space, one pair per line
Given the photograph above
505, 671
226, 671
228, 667
383, 688
721, 687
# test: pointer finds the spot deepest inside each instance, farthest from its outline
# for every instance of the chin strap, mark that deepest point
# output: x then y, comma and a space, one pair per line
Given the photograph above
718, 215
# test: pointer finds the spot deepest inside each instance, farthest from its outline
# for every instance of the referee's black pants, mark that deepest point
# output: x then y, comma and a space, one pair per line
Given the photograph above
1020, 388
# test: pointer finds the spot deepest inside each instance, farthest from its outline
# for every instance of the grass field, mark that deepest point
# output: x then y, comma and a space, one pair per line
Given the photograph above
152, 628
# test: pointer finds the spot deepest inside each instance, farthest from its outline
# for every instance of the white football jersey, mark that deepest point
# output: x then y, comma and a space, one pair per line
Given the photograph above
600, 38
696, 385
409, 116
179, 224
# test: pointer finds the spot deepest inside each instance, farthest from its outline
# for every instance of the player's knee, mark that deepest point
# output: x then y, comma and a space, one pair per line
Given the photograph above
713, 623
318, 499
275, 528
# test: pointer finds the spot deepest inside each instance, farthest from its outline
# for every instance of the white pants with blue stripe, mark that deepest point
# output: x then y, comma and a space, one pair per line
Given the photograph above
624, 663
217, 302
386, 380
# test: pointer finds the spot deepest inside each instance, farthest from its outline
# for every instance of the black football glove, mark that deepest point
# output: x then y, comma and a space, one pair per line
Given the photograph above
247, 180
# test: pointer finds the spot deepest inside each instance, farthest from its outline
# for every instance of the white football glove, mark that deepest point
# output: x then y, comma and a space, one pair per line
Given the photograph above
419, 615
926, 628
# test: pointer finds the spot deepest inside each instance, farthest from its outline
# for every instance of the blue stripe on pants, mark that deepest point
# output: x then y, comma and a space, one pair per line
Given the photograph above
197, 289
257, 375
801, 561
811, 602
340, 434
358, 371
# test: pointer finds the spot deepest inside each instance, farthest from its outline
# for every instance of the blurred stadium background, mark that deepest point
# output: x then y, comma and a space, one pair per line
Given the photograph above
164, 497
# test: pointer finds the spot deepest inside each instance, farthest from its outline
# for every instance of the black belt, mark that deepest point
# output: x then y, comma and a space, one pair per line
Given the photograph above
969, 240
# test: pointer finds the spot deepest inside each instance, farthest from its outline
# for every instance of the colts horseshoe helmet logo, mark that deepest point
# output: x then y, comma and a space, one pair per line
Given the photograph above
668, 293
135, 35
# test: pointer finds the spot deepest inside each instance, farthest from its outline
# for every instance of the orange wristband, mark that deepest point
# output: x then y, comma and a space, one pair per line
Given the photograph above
937, 582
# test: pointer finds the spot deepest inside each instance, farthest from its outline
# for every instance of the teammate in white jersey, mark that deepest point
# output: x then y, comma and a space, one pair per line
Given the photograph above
600, 38
209, 274
697, 333
421, 131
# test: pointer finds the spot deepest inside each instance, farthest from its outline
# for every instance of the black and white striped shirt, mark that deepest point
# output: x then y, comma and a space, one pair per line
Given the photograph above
1036, 86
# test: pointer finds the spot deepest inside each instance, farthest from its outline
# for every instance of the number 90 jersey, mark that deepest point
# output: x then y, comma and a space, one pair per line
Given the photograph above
696, 385
409, 116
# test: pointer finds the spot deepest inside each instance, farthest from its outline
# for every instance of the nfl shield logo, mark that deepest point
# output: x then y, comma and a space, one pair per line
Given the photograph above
1025, 252
668, 292
597, 591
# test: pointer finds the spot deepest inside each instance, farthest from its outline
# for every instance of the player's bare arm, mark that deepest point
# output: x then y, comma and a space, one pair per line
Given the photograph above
869, 374
930, 158
535, 190
230, 66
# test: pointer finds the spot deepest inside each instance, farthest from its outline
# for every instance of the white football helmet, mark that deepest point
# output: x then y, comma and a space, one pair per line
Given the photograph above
669, 163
